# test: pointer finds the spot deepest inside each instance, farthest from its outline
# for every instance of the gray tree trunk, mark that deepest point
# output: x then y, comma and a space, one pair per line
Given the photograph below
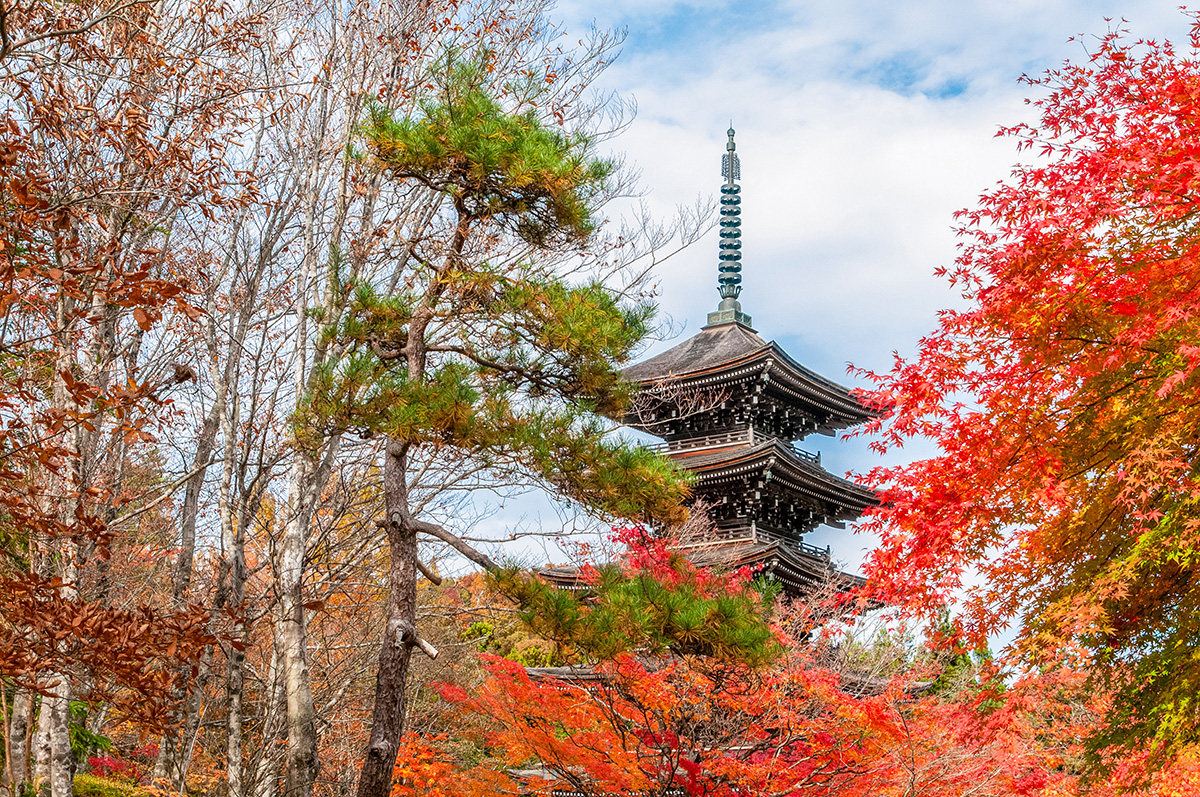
18, 740
301, 765
180, 757
62, 763
265, 784
41, 748
232, 586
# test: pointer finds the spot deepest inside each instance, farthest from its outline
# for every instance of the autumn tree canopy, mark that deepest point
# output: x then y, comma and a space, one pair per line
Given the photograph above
492, 340
657, 710
191, 223
1065, 398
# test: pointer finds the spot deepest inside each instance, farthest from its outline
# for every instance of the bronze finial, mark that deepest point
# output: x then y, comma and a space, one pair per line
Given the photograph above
729, 281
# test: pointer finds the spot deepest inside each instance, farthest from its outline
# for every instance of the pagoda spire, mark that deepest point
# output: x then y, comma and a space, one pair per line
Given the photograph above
729, 281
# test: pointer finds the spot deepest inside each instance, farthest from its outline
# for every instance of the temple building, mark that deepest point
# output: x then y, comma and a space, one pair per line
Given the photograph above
731, 407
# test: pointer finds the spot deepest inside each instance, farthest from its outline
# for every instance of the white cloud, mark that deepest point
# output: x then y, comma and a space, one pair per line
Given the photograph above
862, 127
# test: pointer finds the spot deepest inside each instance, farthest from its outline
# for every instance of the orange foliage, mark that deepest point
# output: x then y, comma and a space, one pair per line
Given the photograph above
1063, 398
792, 731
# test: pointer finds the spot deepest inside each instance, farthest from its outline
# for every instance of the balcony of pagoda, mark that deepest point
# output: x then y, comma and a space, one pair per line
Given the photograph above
679, 412
769, 483
727, 440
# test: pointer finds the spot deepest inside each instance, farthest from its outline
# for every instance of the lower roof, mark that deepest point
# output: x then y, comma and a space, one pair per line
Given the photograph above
801, 572
797, 470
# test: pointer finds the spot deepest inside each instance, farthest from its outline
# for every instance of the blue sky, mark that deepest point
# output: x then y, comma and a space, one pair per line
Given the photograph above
862, 127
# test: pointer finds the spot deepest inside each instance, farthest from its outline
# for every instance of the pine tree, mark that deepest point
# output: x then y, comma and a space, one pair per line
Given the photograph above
654, 602
484, 346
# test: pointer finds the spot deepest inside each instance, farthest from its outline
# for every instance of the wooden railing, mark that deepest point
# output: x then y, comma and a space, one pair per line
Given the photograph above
825, 553
716, 440
722, 439
805, 455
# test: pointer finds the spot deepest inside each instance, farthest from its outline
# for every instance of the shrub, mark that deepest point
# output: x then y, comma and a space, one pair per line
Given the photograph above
96, 786
113, 768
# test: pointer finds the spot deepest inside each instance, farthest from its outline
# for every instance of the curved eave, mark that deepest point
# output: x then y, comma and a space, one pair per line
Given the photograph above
675, 368
795, 567
786, 468
846, 409
800, 570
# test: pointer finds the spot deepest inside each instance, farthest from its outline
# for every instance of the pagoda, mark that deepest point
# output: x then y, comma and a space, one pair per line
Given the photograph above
731, 407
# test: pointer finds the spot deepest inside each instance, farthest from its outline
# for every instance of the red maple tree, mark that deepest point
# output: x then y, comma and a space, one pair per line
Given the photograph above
711, 726
1063, 398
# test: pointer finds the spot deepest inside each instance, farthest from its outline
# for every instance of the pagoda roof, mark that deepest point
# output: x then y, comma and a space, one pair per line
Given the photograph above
729, 351
798, 469
799, 568
562, 577
710, 349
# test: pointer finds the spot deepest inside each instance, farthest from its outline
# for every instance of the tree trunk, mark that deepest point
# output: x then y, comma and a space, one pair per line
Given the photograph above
61, 759
18, 737
191, 503
191, 731
231, 594
235, 675
300, 768
400, 633
265, 783
41, 747
178, 758
163, 761
301, 765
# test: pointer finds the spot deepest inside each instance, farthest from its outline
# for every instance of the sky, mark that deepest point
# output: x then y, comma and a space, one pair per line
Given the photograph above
862, 126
